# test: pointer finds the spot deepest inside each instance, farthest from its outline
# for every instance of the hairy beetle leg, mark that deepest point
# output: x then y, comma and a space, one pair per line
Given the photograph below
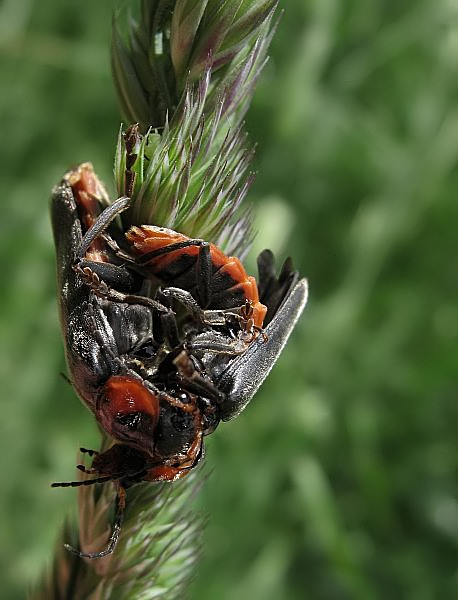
222, 317
102, 290
206, 316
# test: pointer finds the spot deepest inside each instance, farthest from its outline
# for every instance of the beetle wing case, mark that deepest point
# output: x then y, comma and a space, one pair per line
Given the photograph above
245, 374
96, 333
82, 353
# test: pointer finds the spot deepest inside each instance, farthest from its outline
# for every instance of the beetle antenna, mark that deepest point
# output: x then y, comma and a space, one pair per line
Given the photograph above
115, 532
102, 222
103, 479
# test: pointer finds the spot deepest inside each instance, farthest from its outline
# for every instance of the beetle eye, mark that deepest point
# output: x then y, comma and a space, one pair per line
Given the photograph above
135, 421
130, 420
181, 421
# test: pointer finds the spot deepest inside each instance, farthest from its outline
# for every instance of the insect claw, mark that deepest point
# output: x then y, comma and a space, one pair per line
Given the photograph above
90, 452
84, 469
72, 549
114, 537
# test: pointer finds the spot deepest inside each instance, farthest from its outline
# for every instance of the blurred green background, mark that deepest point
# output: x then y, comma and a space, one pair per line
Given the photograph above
340, 479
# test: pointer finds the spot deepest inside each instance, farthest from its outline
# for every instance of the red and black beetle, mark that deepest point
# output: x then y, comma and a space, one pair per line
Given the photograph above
155, 390
212, 286
158, 431
215, 281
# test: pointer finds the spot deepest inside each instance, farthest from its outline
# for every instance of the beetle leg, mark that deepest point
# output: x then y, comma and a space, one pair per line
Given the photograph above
186, 299
192, 380
216, 346
101, 289
115, 530
170, 329
118, 251
114, 275
207, 316
200, 386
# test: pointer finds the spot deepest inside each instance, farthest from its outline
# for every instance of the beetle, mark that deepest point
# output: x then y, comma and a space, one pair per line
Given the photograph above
214, 280
125, 466
212, 286
160, 428
156, 394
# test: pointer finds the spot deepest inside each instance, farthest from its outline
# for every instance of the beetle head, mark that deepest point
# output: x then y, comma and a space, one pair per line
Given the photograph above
159, 424
129, 412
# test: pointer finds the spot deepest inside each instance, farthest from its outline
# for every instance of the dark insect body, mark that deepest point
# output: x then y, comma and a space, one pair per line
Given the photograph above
155, 385
213, 287
215, 281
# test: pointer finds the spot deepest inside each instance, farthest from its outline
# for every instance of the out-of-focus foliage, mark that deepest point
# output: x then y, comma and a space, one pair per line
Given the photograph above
340, 479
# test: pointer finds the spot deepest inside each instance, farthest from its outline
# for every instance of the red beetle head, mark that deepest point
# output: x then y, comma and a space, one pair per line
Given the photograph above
129, 412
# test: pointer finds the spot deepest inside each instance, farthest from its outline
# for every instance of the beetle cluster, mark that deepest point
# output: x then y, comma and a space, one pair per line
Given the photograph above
165, 336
